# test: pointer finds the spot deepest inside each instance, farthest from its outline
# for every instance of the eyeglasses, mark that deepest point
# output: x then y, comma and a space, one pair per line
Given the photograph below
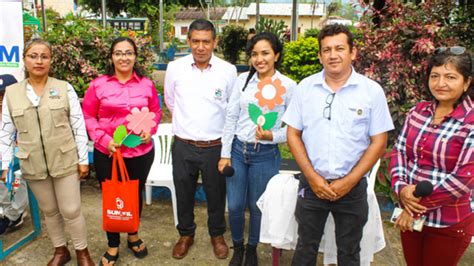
456, 50
127, 54
43, 57
327, 109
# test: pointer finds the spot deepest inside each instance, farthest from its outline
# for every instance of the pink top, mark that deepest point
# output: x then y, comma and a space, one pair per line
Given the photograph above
106, 104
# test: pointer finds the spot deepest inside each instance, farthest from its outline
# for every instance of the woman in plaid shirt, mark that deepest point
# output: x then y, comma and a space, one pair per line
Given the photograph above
437, 144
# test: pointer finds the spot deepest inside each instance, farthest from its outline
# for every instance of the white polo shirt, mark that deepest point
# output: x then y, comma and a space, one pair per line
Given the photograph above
198, 98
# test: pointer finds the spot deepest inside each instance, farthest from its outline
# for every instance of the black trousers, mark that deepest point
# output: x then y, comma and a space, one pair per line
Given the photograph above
188, 162
350, 215
137, 167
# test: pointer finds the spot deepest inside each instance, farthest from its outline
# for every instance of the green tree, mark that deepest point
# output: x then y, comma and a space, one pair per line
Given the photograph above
337, 8
232, 41
276, 27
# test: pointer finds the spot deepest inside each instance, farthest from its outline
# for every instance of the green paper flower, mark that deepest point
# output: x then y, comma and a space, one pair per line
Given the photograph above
120, 133
267, 121
132, 141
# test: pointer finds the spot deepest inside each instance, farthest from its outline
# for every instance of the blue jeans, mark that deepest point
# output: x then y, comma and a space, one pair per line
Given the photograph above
253, 170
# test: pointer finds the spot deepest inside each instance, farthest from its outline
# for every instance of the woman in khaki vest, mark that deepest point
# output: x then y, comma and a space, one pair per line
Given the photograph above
45, 116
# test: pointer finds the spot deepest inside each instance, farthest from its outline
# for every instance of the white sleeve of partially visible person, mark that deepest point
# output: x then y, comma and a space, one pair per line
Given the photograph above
78, 126
7, 135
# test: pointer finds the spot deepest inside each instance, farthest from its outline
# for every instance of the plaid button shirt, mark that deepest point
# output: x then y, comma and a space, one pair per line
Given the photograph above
442, 154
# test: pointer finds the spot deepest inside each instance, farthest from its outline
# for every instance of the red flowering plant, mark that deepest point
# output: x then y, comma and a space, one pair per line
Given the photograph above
394, 46
80, 49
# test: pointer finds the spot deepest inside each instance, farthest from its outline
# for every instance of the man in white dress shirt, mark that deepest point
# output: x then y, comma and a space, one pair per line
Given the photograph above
337, 129
197, 90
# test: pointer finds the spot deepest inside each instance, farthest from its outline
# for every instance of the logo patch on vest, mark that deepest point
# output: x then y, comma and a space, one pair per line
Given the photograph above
54, 93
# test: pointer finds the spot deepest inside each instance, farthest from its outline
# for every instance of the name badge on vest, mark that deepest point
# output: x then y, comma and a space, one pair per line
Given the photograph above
54, 93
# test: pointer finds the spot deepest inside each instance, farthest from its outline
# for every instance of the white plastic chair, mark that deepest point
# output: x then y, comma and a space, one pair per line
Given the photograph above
161, 172
373, 239
373, 177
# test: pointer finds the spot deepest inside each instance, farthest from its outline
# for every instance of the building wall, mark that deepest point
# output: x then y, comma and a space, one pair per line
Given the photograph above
63, 7
177, 28
185, 23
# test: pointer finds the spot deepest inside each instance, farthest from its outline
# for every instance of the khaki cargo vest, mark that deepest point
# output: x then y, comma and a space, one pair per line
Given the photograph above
46, 144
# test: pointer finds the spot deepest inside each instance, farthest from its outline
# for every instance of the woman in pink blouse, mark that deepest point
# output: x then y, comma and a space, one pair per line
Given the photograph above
437, 145
109, 99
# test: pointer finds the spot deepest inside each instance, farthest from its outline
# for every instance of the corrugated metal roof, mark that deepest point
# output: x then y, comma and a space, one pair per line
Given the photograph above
234, 12
195, 13
275, 9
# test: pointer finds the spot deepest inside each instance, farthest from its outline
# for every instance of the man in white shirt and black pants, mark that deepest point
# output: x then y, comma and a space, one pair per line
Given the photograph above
197, 90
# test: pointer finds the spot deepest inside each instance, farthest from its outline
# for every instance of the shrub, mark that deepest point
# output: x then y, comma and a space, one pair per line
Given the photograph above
80, 49
300, 58
394, 52
314, 32
232, 41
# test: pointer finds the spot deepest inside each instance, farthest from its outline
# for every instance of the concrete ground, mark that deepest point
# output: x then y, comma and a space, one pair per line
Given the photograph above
158, 231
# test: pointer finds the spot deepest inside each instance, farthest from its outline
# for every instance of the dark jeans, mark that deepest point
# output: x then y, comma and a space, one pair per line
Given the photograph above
188, 162
137, 167
350, 215
254, 167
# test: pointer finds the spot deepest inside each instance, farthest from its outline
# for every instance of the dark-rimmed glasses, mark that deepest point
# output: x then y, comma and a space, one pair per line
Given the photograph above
127, 54
327, 109
456, 50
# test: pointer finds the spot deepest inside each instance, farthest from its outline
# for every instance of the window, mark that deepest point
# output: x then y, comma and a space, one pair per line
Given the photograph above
184, 30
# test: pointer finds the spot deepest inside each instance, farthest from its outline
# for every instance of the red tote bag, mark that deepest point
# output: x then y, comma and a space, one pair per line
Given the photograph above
120, 212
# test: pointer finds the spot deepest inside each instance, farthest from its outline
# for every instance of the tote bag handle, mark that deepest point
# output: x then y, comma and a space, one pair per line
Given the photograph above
118, 161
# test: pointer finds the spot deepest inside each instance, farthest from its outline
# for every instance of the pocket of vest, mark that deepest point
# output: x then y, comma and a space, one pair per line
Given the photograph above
59, 114
26, 165
67, 147
69, 155
19, 120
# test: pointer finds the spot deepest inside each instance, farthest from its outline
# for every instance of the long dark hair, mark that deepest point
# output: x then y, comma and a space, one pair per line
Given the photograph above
463, 63
276, 45
110, 69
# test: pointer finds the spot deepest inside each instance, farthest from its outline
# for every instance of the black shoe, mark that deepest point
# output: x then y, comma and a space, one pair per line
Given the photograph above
7, 224
140, 254
251, 256
238, 256
110, 259
4, 222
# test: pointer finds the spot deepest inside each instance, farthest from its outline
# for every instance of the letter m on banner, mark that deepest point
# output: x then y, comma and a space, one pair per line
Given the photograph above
9, 57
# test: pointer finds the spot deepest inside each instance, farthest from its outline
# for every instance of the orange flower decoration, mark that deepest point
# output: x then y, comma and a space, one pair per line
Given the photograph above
270, 92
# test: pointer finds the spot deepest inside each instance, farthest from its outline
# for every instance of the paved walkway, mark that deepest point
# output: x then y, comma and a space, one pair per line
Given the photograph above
157, 230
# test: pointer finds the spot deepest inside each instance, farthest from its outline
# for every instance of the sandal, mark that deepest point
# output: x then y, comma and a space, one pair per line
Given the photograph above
138, 254
109, 258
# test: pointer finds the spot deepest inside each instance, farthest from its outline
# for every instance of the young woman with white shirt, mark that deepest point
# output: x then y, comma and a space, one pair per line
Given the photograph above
252, 131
